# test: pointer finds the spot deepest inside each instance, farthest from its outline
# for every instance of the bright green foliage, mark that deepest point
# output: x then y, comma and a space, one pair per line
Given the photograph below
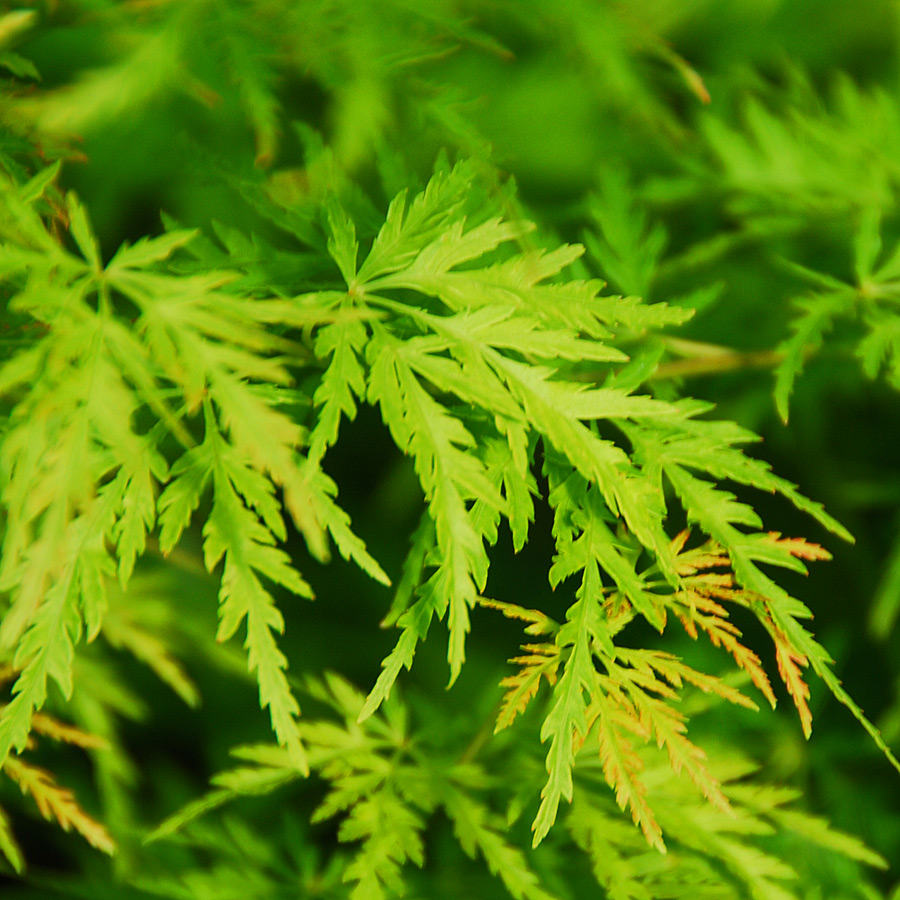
350, 306
870, 300
385, 771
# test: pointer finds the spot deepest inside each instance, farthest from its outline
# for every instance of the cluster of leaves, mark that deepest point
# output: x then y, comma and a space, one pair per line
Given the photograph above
386, 779
173, 403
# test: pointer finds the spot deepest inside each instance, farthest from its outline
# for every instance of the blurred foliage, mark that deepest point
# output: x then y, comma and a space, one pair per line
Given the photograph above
213, 179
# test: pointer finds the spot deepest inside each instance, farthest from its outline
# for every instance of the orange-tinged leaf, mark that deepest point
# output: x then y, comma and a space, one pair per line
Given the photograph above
660, 718
684, 755
708, 555
542, 661
540, 622
799, 547
55, 802
69, 734
715, 584
676, 673
790, 663
677, 543
723, 633
622, 765
698, 608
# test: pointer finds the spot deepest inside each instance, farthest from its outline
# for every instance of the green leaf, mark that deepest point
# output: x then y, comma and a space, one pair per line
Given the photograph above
414, 565
46, 651
566, 725
80, 229
37, 185
867, 245
190, 475
147, 251
479, 831
234, 531
450, 477
9, 847
414, 624
243, 781
19, 66
390, 834
886, 602
406, 231
322, 491
342, 244
126, 630
343, 382
135, 489
628, 251
819, 313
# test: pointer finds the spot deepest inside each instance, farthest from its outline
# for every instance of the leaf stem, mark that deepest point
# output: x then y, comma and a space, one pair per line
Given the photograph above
711, 359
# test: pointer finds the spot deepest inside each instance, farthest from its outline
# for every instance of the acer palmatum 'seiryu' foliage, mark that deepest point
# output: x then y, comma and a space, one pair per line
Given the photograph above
157, 388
